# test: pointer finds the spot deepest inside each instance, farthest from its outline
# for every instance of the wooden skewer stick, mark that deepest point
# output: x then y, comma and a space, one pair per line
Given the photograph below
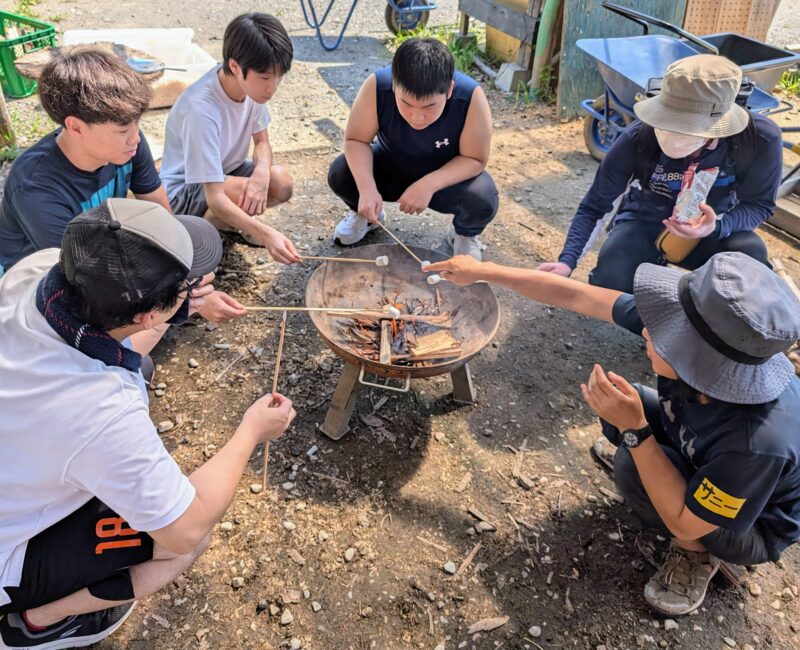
274, 390
336, 309
353, 260
393, 236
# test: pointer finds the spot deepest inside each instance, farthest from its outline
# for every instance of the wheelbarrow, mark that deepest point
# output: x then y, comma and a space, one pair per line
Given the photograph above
400, 15
627, 64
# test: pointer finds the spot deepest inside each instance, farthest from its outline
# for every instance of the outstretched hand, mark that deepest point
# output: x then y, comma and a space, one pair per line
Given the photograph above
698, 228
461, 269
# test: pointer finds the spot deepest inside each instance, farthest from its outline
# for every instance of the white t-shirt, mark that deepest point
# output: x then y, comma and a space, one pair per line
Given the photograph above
71, 428
208, 134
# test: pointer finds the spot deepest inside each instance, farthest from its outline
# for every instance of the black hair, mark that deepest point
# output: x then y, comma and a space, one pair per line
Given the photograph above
424, 67
92, 307
257, 42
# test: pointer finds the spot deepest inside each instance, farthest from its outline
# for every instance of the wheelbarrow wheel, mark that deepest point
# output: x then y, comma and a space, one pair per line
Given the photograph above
598, 136
406, 22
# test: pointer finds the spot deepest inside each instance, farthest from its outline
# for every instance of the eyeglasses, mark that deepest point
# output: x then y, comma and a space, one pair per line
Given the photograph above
190, 285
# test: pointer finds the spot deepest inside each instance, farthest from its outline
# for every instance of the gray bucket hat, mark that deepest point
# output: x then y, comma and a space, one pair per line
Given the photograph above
698, 97
724, 327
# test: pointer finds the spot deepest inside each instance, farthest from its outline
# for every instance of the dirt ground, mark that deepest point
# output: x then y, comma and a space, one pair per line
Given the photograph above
350, 541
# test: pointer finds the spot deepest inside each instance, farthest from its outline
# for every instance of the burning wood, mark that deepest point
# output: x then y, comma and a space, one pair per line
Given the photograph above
419, 336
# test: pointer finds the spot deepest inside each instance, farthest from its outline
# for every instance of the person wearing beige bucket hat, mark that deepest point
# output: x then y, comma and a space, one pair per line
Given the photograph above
711, 457
693, 124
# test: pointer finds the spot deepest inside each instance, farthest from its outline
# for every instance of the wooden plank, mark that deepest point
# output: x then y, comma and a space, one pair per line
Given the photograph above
525, 55
578, 78
507, 20
787, 214
386, 342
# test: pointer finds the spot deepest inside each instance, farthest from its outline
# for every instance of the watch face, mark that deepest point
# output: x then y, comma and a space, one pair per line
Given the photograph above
630, 439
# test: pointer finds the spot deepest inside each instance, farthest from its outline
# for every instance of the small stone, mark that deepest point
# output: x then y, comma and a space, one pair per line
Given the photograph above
222, 346
787, 594
288, 486
591, 498
484, 527
777, 605
366, 612
295, 644
287, 617
306, 594
158, 392
535, 631
323, 536
289, 525
438, 436
315, 606
349, 554
439, 647
161, 385
165, 426
274, 610
449, 567
226, 525
729, 642
237, 582
747, 646
194, 363
525, 483
614, 537
255, 488
210, 327
754, 588
669, 625
262, 605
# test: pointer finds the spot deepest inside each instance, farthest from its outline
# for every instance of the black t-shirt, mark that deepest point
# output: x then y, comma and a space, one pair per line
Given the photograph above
746, 457
45, 191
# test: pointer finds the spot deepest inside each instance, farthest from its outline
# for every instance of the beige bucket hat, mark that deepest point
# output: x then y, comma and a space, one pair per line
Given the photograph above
698, 97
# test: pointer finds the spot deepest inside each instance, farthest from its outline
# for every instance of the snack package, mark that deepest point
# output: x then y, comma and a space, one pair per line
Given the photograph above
694, 190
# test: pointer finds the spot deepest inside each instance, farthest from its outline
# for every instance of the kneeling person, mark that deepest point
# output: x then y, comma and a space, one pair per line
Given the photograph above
94, 512
433, 128
711, 457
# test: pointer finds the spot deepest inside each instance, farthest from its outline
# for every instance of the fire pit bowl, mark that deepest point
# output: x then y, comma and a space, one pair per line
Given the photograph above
475, 321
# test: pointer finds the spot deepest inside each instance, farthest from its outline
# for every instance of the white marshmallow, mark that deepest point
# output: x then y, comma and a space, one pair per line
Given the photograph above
393, 311
434, 279
383, 260
425, 263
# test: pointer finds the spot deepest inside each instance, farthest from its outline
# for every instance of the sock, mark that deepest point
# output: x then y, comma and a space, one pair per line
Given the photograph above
31, 627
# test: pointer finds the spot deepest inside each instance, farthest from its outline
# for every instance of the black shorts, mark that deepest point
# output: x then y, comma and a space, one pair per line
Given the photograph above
93, 547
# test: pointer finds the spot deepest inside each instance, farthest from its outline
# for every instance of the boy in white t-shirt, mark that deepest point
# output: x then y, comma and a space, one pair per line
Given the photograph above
94, 512
205, 168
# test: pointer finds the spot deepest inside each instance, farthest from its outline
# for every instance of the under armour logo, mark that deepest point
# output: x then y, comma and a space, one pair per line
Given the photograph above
442, 143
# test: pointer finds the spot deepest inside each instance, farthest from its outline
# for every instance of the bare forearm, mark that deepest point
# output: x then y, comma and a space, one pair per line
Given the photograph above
222, 207
262, 158
216, 481
359, 160
664, 484
460, 168
554, 290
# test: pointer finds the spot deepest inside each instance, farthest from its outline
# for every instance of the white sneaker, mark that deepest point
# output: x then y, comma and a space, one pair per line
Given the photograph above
354, 227
462, 245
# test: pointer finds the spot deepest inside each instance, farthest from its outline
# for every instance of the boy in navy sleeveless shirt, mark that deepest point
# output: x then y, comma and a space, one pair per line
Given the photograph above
419, 134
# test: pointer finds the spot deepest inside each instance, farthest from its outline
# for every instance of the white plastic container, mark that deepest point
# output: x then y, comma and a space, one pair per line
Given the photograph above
173, 47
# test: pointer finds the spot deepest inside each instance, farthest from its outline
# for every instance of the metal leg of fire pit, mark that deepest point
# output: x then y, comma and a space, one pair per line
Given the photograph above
463, 390
344, 400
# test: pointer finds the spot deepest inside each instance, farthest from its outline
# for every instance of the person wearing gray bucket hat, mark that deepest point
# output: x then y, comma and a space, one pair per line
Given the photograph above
692, 126
709, 457
94, 512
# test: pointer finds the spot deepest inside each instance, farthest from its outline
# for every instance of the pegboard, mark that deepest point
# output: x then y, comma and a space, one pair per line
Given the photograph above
746, 17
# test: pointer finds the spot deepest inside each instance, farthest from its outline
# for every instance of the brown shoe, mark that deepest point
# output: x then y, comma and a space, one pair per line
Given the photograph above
679, 586
603, 452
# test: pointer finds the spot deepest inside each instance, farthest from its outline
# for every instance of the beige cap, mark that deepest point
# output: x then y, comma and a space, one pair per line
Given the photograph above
698, 97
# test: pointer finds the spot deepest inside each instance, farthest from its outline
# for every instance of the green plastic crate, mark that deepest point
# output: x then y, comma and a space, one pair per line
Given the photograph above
20, 35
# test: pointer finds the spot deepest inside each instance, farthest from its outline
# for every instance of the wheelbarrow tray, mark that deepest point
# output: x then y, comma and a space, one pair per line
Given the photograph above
627, 63
763, 64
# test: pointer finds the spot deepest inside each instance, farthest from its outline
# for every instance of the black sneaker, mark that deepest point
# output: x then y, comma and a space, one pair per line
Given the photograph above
72, 632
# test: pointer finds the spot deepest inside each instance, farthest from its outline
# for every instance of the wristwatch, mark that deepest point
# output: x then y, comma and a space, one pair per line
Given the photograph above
635, 437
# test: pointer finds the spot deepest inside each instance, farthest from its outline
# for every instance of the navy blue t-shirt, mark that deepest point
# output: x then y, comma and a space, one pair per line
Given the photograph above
45, 191
426, 150
745, 202
746, 457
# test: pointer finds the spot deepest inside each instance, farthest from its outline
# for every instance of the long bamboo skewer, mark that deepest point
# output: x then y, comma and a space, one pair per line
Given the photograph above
393, 236
274, 390
347, 310
354, 260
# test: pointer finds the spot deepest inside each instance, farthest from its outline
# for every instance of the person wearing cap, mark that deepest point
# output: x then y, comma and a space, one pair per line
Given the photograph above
94, 512
693, 123
711, 457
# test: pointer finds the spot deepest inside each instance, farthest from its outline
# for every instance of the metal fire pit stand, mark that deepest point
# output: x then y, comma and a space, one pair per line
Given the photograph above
337, 420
